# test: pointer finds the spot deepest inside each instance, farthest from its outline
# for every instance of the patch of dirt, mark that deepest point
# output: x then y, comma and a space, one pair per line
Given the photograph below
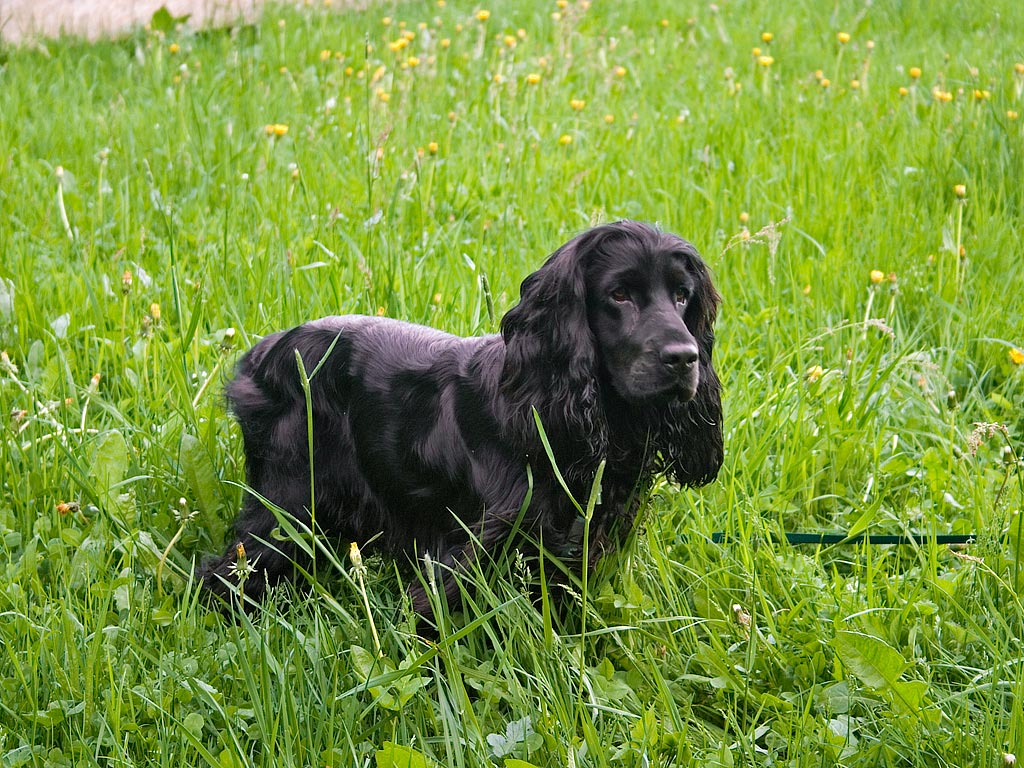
25, 20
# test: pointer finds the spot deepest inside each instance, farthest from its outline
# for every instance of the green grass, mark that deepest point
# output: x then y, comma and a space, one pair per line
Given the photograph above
850, 405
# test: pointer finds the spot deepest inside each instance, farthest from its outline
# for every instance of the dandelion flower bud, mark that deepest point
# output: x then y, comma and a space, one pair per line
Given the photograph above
355, 555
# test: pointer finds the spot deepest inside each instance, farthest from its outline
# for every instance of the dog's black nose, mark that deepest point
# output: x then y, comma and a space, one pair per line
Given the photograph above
678, 357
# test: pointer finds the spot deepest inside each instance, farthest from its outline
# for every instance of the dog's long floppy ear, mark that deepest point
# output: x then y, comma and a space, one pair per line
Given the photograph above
690, 436
550, 360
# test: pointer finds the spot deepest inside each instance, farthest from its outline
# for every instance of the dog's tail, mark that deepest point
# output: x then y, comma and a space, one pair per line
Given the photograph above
267, 377
266, 395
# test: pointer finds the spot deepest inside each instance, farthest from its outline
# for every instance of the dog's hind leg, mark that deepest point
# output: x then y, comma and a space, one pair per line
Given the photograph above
259, 556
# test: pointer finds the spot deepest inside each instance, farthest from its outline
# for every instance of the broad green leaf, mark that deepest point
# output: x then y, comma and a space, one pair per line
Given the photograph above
873, 661
396, 756
512, 762
194, 723
109, 464
910, 696
229, 760
200, 473
163, 21
369, 665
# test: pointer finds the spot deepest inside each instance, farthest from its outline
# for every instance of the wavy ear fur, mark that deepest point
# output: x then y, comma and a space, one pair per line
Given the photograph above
689, 436
550, 360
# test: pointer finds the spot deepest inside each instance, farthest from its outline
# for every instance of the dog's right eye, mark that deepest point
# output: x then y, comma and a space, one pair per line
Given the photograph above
619, 295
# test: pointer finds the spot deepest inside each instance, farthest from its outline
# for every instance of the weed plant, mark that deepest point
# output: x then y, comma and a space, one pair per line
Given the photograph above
851, 172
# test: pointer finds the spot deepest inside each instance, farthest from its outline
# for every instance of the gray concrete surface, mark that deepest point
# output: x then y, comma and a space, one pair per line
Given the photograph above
25, 20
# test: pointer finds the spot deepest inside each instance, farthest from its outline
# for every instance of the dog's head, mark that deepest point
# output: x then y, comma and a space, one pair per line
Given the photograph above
622, 316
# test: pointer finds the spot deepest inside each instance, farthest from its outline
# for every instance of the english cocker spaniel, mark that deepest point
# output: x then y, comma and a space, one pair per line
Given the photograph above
421, 440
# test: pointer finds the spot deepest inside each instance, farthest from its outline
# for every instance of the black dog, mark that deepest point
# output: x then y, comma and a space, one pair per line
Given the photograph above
421, 440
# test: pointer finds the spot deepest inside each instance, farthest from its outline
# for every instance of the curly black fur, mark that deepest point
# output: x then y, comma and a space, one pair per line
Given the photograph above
421, 439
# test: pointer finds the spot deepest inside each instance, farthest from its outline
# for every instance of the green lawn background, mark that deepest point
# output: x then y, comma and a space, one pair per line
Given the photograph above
852, 174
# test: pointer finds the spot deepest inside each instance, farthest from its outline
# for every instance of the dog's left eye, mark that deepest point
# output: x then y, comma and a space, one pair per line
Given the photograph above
682, 294
619, 295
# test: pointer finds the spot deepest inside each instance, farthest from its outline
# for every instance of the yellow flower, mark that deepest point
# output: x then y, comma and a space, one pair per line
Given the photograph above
565, 139
354, 554
577, 104
915, 73
562, 3
744, 217
755, 51
767, 37
483, 15
533, 78
981, 94
1018, 68
386, 21
173, 48
275, 129
413, 61
509, 41
398, 44
825, 82
383, 95
432, 147
843, 37
1016, 356
904, 91
1012, 114
766, 61
445, 42
814, 373
609, 119
499, 78
854, 85
877, 276
619, 71
960, 190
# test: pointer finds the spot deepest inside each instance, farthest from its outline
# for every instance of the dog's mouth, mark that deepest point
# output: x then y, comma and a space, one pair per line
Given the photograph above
647, 383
